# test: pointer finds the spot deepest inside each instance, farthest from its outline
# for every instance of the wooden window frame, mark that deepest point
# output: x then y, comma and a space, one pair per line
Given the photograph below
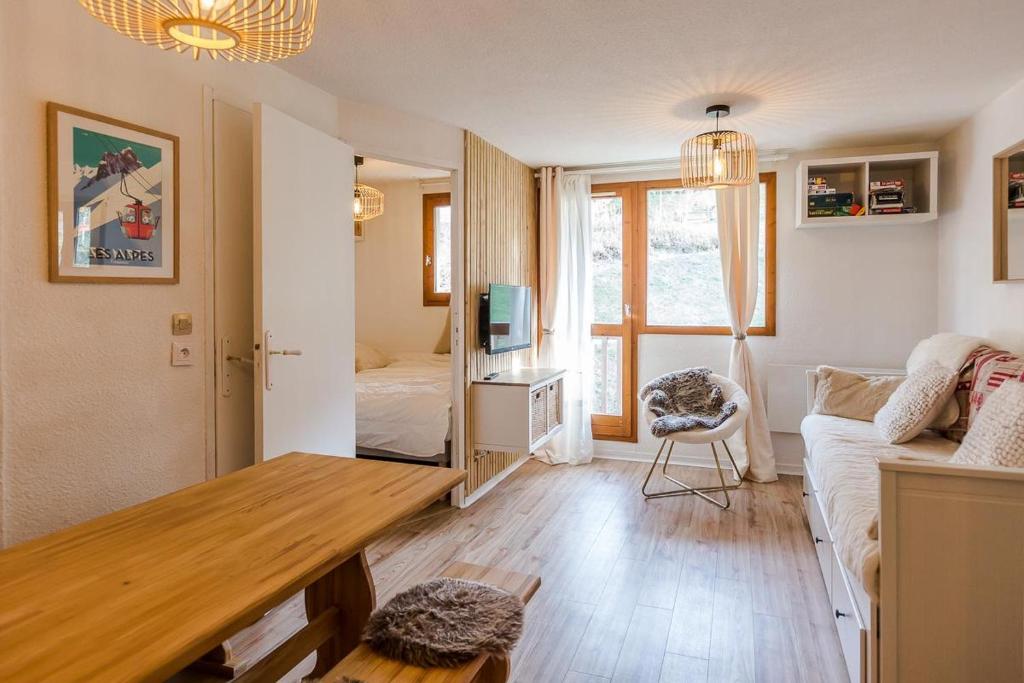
430, 203
640, 296
622, 427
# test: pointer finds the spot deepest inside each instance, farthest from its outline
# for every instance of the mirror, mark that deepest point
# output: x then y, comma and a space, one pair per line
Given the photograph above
1008, 213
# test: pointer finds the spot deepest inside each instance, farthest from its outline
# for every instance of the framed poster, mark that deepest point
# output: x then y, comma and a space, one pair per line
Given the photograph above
113, 200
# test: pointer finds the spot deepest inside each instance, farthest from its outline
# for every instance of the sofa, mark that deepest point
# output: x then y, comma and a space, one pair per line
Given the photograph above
922, 559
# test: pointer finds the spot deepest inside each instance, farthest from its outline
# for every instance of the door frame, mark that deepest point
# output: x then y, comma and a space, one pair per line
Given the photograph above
458, 283
624, 427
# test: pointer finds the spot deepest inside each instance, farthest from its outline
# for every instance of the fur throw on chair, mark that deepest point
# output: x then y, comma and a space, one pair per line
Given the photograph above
685, 400
445, 622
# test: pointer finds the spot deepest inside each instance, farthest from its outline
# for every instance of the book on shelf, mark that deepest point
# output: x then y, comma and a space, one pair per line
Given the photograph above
821, 190
835, 199
885, 184
817, 180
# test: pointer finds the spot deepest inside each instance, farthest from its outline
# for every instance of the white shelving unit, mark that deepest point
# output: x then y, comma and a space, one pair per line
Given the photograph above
518, 410
919, 171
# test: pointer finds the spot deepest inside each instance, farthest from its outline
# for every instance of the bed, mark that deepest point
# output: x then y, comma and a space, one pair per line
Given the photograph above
403, 409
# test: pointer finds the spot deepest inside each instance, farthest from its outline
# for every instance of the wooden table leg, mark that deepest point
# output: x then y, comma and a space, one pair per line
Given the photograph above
349, 588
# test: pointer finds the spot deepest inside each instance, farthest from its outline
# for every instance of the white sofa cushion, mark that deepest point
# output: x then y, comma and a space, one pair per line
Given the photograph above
916, 403
843, 457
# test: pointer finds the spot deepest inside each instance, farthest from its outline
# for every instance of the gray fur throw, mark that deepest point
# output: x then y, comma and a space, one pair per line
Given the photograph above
686, 400
445, 623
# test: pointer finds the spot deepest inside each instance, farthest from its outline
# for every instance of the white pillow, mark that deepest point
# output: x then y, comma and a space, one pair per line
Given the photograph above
369, 358
997, 435
916, 403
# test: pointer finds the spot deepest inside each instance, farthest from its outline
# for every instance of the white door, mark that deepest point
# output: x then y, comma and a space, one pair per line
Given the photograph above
304, 288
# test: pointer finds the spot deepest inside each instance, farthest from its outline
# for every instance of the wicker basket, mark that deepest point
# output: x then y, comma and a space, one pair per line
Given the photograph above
538, 413
554, 404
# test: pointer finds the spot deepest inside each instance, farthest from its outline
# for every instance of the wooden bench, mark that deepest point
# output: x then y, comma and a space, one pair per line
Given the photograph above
365, 666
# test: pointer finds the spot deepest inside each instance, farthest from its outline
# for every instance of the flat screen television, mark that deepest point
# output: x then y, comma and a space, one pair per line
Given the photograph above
506, 318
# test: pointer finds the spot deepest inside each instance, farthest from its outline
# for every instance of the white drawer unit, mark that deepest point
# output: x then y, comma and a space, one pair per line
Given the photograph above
843, 601
518, 410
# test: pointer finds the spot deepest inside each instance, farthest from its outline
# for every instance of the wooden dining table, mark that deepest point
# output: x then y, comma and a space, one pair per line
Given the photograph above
141, 593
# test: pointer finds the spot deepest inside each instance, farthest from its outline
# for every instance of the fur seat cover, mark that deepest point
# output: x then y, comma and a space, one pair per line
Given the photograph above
686, 400
445, 623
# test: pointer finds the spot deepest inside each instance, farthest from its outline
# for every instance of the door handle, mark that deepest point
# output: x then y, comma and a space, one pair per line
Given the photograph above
269, 351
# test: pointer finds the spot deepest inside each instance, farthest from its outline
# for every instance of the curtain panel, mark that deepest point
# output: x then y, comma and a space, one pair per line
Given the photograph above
738, 227
567, 308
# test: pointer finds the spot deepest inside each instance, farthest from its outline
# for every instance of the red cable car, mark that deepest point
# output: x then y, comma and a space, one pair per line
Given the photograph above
137, 218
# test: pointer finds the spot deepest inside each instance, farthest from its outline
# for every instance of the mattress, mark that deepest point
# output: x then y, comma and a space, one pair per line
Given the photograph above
843, 455
405, 407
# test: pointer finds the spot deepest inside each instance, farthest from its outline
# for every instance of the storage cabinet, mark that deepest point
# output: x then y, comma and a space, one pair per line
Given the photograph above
850, 627
918, 170
518, 410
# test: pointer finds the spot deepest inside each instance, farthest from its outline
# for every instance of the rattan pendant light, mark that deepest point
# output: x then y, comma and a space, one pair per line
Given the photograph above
368, 202
718, 158
247, 30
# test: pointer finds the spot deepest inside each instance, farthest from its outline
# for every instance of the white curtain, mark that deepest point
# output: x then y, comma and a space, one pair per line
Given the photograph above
566, 308
738, 225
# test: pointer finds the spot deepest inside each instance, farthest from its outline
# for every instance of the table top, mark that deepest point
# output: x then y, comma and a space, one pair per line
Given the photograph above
524, 377
140, 593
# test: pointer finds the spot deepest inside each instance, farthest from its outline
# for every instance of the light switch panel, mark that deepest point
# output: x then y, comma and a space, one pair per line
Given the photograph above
182, 354
181, 323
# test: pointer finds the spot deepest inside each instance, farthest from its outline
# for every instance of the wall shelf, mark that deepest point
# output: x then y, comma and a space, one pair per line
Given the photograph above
918, 170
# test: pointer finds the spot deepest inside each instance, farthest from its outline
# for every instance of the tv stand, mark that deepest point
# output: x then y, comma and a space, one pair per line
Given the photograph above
518, 410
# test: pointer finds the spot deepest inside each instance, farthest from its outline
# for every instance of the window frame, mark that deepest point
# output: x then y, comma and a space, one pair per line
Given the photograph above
430, 203
640, 296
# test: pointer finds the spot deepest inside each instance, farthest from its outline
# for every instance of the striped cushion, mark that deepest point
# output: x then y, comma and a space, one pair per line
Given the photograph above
991, 369
962, 395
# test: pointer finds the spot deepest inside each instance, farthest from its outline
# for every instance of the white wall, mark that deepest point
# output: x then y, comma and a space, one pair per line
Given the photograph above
94, 418
857, 296
390, 314
969, 302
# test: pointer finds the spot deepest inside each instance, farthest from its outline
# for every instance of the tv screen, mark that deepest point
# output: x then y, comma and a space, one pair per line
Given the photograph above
509, 319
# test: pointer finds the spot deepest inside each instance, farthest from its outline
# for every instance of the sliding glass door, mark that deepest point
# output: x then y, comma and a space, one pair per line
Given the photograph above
611, 214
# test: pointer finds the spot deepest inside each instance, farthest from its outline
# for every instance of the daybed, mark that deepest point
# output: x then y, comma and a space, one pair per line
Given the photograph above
923, 560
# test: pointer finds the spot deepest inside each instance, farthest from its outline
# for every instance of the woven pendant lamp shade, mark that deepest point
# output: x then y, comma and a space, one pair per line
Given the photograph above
246, 30
718, 158
368, 202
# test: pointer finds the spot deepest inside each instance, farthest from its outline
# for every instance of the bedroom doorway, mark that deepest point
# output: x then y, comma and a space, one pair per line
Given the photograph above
405, 271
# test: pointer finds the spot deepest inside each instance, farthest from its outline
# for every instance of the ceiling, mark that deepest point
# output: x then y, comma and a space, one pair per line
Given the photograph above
379, 171
600, 81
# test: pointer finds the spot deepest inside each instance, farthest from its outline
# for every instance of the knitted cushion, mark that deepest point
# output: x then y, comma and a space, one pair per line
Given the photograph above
445, 622
916, 403
997, 435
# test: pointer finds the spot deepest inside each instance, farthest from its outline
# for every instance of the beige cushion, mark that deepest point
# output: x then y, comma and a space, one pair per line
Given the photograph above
997, 435
444, 343
369, 358
850, 394
859, 397
916, 403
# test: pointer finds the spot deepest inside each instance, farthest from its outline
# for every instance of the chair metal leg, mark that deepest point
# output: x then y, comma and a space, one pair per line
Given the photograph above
686, 489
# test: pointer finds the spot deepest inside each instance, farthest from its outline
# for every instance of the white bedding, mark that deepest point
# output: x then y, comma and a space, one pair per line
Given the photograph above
405, 407
843, 455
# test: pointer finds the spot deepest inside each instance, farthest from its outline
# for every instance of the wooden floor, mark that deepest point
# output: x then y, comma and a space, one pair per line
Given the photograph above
633, 590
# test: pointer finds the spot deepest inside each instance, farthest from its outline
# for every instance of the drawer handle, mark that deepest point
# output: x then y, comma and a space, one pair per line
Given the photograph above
818, 540
804, 494
840, 615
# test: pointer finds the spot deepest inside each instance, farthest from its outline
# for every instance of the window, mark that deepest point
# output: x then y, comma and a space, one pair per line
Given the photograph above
437, 249
656, 244
681, 290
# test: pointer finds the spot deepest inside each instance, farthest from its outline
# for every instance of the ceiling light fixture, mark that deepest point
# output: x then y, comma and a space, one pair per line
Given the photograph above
368, 202
718, 158
246, 30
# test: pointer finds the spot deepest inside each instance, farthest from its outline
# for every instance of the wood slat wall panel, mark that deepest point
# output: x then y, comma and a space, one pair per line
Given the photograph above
500, 246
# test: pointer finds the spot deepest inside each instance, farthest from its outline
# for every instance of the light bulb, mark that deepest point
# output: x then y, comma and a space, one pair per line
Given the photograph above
357, 206
717, 164
214, 6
